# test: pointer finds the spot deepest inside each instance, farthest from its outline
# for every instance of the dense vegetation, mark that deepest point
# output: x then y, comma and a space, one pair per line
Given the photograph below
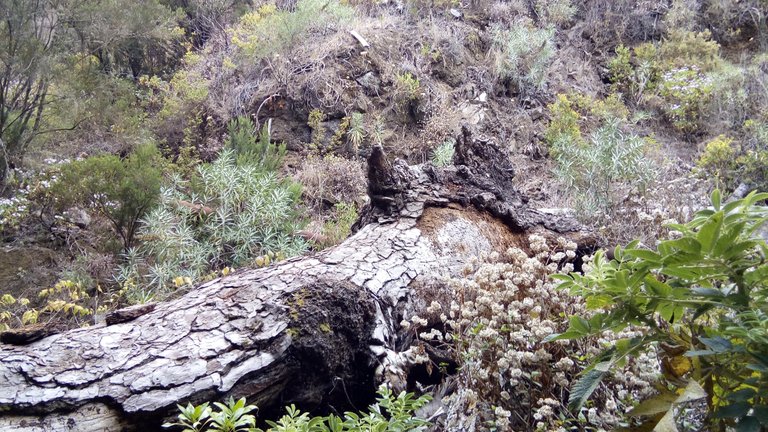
147, 146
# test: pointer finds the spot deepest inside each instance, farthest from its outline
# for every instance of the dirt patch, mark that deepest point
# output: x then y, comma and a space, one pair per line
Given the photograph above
25, 270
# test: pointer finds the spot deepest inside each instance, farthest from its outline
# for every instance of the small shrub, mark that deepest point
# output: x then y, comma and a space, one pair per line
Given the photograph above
66, 300
753, 162
315, 122
729, 163
356, 132
718, 160
685, 48
268, 30
13, 211
442, 156
338, 228
686, 75
408, 85
686, 92
634, 77
564, 125
332, 180
682, 15
524, 56
121, 190
510, 378
596, 171
556, 12
573, 114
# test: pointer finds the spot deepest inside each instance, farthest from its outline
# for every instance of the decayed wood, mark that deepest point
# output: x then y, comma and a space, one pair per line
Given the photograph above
311, 329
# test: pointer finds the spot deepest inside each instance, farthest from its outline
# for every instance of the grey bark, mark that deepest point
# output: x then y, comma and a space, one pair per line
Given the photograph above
315, 329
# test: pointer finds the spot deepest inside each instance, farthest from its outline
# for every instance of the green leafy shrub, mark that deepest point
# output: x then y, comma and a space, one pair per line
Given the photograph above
573, 114
13, 211
315, 122
121, 190
253, 149
356, 133
556, 12
228, 215
634, 76
718, 160
686, 48
593, 168
594, 172
752, 164
701, 300
66, 300
524, 55
730, 162
686, 77
408, 85
390, 413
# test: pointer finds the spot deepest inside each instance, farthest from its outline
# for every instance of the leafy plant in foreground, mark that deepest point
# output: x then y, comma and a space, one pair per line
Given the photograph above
703, 300
389, 413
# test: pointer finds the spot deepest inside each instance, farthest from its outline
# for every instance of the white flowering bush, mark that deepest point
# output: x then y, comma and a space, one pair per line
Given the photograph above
13, 210
510, 378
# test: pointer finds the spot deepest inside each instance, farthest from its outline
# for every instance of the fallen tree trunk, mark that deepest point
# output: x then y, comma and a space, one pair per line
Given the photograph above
315, 330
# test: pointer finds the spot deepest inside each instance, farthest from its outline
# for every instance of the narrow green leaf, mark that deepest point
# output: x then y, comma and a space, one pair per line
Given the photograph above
710, 231
715, 197
655, 405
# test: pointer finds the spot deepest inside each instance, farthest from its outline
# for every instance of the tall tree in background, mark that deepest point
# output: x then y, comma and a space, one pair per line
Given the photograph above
39, 37
27, 34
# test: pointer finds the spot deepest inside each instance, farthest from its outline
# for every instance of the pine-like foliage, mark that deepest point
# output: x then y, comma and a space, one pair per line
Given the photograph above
252, 149
228, 215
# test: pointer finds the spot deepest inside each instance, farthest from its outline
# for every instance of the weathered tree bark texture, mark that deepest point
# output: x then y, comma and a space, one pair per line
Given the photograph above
316, 330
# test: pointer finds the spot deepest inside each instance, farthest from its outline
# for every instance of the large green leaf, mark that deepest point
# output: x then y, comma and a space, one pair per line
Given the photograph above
586, 385
710, 231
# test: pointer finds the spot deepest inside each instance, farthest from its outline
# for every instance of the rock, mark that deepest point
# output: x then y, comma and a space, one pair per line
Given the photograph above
370, 82
77, 217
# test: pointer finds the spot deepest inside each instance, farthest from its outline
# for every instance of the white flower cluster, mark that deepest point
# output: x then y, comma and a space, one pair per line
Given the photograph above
510, 378
13, 210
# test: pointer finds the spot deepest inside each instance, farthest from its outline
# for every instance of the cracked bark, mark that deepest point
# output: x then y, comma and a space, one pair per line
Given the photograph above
312, 330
